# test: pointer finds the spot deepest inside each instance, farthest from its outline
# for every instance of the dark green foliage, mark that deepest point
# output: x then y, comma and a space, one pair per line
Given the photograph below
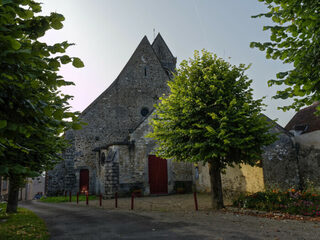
291, 201
34, 113
295, 39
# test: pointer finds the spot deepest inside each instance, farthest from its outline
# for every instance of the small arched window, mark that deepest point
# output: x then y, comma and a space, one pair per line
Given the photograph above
145, 71
102, 158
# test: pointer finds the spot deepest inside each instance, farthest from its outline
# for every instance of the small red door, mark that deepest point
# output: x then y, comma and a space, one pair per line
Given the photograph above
84, 180
158, 176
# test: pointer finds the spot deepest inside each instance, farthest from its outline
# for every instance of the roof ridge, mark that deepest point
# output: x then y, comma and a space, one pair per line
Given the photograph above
161, 38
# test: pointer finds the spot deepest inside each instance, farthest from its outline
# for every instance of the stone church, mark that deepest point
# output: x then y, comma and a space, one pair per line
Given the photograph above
110, 153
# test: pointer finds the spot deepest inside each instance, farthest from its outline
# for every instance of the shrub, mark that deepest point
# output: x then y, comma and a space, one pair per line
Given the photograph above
290, 201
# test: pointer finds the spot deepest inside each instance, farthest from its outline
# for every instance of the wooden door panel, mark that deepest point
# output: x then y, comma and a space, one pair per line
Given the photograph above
158, 176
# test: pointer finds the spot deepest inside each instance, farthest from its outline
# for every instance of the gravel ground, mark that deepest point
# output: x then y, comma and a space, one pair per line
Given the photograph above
169, 203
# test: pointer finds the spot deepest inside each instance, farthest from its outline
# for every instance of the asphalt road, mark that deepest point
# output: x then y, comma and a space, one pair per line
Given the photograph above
70, 222
67, 221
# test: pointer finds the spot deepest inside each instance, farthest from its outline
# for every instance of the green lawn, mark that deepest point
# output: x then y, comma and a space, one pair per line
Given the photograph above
24, 225
66, 199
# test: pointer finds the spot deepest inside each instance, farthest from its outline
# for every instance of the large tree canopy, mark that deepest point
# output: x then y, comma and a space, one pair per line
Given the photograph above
34, 113
211, 116
295, 39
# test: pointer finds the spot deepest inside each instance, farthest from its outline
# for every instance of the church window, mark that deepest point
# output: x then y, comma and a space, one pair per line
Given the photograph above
102, 158
144, 111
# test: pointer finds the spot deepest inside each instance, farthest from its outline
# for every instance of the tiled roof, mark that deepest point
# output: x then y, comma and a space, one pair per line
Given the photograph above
305, 118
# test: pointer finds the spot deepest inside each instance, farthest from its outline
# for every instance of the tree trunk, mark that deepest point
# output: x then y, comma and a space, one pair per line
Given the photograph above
13, 195
216, 186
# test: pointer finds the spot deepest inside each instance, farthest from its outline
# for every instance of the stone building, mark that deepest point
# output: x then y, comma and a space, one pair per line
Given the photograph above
32, 187
305, 128
110, 153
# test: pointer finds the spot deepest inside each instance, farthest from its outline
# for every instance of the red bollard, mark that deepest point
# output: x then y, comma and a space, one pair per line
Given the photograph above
100, 200
87, 198
195, 200
77, 197
116, 199
69, 196
132, 201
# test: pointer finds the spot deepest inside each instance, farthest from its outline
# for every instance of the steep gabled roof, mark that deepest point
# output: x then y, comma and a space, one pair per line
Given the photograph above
160, 43
143, 42
162, 51
305, 117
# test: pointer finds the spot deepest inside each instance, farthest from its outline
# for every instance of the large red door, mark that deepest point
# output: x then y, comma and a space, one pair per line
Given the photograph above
84, 180
158, 176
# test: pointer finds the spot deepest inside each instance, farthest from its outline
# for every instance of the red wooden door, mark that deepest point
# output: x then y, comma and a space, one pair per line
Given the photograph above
84, 180
158, 176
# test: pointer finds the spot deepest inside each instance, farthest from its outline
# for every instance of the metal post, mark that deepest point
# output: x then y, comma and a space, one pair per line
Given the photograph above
132, 201
100, 200
77, 197
69, 196
116, 199
87, 198
195, 200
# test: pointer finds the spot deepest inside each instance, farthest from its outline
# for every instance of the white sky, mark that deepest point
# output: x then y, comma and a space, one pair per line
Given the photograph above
106, 32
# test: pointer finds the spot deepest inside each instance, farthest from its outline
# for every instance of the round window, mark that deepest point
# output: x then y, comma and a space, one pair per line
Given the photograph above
144, 111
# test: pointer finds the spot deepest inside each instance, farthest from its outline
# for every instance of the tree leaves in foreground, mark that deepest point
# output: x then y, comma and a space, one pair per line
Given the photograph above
211, 117
34, 113
295, 39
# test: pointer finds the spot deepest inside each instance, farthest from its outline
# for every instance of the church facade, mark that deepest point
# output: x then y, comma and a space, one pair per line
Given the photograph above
110, 153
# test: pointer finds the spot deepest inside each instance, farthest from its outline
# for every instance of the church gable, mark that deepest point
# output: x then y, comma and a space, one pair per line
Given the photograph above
126, 102
168, 61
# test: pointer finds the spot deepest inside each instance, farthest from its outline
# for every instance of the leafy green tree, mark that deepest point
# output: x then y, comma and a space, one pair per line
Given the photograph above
295, 39
33, 113
210, 117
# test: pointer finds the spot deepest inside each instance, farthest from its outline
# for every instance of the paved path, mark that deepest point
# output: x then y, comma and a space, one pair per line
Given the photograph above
67, 221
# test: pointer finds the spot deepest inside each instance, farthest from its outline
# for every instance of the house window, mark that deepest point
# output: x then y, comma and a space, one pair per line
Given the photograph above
4, 184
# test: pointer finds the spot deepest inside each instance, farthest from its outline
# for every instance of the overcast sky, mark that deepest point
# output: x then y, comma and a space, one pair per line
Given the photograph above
106, 32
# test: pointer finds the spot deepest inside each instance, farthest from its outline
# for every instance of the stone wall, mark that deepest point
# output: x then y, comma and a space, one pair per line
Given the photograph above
280, 162
143, 147
309, 163
235, 181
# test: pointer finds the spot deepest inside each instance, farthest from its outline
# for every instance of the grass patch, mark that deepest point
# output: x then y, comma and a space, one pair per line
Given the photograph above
60, 199
24, 225
293, 202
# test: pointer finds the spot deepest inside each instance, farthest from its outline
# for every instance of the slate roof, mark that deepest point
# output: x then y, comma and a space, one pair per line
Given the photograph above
305, 120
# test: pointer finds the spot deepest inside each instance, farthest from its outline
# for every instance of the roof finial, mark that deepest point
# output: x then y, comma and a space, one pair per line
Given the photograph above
154, 34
